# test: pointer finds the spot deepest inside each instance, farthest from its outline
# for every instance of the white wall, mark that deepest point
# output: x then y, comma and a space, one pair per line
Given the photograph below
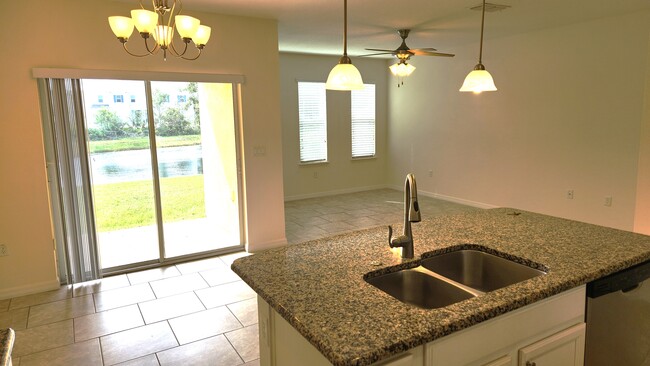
81, 38
568, 115
340, 174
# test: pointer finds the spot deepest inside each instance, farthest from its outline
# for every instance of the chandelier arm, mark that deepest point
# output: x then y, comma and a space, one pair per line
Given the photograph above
193, 58
174, 52
133, 54
155, 49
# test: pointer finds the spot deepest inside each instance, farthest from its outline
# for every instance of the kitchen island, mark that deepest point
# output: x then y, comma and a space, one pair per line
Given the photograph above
318, 287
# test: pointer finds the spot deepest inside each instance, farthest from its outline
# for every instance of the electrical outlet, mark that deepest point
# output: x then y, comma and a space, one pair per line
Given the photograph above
3, 250
608, 201
569, 194
315, 175
430, 173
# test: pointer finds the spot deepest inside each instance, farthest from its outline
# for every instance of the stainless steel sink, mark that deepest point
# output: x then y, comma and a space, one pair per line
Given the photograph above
414, 287
479, 270
451, 277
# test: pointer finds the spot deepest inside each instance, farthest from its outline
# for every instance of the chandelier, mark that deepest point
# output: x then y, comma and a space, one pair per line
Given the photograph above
160, 24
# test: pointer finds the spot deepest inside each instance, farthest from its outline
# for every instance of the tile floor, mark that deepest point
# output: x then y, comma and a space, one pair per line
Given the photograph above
195, 313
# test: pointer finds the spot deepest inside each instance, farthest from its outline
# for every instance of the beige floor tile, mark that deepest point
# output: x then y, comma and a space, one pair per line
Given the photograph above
225, 294
15, 319
42, 338
148, 360
107, 322
336, 227
220, 276
84, 353
153, 274
60, 310
200, 265
177, 285
211, 351
245, 311
253, 363
246, 342
64, 292
4, 305
204, 324
112, 299
104, 284
138, 342
170, 307
229, 258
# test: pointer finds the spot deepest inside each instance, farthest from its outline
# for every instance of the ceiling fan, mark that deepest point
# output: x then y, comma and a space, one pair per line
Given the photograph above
403, 53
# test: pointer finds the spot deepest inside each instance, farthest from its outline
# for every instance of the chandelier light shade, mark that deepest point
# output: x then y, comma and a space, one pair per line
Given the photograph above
479, 79
344, 76
401, 70
161, 25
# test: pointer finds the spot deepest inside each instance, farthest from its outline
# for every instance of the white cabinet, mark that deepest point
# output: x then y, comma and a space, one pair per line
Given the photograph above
550, 332
565, 348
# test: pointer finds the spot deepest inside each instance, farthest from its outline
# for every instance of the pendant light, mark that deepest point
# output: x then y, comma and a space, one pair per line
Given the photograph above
344, 76
479, 79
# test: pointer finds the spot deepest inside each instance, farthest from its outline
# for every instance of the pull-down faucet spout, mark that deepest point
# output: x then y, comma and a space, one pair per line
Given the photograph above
411, 214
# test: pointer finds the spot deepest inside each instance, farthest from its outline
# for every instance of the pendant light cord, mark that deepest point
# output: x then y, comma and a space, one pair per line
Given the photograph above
480, 53
345, 27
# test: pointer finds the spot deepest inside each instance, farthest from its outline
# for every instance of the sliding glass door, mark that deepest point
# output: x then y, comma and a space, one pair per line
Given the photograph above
164, 169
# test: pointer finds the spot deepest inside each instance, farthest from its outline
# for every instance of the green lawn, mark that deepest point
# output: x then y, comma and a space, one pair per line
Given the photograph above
139, 143
130, 204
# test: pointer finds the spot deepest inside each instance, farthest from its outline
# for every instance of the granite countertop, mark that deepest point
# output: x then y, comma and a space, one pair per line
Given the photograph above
318, 286
7, 337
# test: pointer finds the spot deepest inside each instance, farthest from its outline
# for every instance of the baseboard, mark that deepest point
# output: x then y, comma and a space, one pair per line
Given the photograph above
461, 201
335, 192
29, 289
259, 247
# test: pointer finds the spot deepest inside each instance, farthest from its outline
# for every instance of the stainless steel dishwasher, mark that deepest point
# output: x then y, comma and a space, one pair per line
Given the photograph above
618, 318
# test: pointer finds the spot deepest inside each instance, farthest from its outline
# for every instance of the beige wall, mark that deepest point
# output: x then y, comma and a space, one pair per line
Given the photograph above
642, 214
568, 115
75, 34
340, 174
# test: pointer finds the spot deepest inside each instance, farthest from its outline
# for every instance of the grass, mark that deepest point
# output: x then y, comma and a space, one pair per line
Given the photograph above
130, 204
139, 143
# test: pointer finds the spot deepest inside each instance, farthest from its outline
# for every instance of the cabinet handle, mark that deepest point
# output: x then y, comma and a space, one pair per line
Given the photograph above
529, 363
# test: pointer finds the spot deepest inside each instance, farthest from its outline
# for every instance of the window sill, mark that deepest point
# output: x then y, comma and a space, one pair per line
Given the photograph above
364, 158
320, 162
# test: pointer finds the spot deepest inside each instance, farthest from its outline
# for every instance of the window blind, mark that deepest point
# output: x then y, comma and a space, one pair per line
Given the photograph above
312, 120
363, 122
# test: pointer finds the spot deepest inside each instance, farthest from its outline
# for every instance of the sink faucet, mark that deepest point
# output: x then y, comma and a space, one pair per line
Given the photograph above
411, 214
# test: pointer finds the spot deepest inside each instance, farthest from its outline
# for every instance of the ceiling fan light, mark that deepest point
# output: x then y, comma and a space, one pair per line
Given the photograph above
122, 27
145, 21
186, 25
344, 77
202, 35
402, 69
478, 81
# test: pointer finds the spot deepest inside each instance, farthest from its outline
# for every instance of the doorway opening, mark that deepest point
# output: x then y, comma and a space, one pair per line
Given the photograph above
164, 170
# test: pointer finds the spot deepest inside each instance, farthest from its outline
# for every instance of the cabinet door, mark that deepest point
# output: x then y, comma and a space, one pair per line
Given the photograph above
503, 361
565, 348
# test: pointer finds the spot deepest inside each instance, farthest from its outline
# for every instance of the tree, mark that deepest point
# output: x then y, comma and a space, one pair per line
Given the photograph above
138, 123
109, 124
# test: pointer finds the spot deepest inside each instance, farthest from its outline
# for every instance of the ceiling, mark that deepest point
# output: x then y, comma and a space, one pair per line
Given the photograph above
316, 26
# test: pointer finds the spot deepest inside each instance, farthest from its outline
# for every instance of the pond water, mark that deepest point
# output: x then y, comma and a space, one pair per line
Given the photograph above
130, 165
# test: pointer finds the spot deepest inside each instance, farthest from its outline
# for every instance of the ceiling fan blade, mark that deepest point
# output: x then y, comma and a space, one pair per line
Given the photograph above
424, 49
376, 54
380, 50
423, 53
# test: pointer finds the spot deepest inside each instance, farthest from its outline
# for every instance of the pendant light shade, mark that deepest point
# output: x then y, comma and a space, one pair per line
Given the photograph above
344, 76
479, 79
402, 69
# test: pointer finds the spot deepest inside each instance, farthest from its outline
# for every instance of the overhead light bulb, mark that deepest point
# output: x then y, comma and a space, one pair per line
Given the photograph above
344, 76
479, 79
402, 69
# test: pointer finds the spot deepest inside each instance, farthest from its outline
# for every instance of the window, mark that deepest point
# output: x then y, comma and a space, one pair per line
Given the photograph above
133, 99
118, 98
181, 98
100, 99
312, 121
363, 122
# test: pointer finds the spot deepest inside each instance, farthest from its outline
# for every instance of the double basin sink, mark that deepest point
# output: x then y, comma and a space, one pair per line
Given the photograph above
447, 278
